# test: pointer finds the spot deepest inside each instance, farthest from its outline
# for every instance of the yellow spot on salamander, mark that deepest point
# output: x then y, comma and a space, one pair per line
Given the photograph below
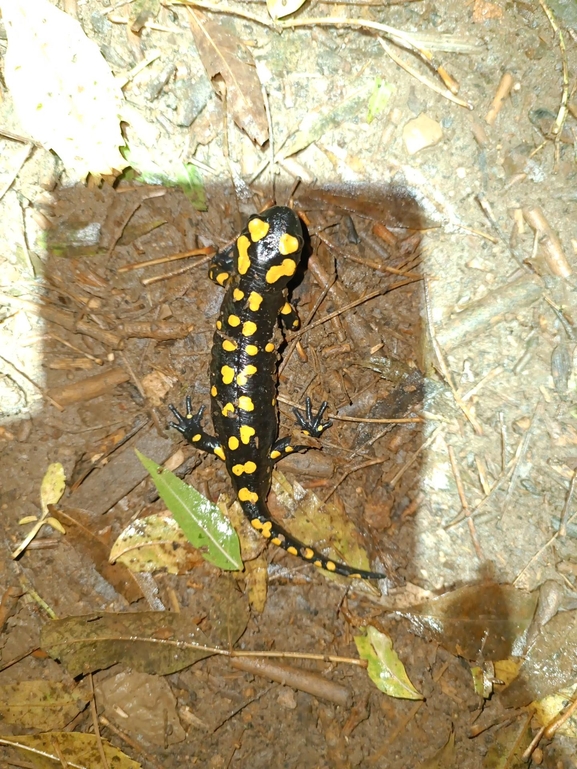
213, 391
286, 269
319, 564
237, 294
251, 349
292, 550
247, 371
330, 566
273, 402
248, 467
269, 347
275, 454
286, 309
227, 374
245, 403
248, 328
233, 443
307, 552
219, 324
222, 277
247, 496
243, 244
288, 449
229, 346
258, 229
228, 409
254, 301
355, 576
288, 244
246, 433
256, 524
233, 320
219, 451
266, 529
196, 437
276, 541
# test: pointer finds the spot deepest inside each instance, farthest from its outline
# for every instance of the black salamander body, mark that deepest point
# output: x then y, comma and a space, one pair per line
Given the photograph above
255, 271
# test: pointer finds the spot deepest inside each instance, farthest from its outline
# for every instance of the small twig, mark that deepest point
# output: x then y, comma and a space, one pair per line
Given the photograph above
413, 457
422, 79
502, 92
129, 741
32, 382
444, 369
94, 715
567, 506
356, 303
520, 454
206, 251
562, 114
464, 504
175, 273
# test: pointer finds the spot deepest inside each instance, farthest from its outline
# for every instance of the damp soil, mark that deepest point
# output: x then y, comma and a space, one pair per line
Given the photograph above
461, 255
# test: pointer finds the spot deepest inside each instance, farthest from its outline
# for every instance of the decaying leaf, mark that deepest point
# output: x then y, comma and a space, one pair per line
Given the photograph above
231, 69
307, 519
487, 620
228, 613
506, 750
549, 664
385, 669
152, 642
443, 758
41, 705
154, 543
45, 751
64, 93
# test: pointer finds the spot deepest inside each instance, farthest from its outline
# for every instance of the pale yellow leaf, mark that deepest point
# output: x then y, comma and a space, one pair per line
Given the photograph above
53, 485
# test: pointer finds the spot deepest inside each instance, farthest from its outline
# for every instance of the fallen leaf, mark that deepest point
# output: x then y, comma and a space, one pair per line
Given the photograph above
233, 75
41, 705
152, 642
202, 521
385, 669
154, 543
45, 751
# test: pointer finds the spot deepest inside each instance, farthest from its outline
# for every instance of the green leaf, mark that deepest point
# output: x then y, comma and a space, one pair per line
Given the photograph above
379, 98
202, 522
385, 669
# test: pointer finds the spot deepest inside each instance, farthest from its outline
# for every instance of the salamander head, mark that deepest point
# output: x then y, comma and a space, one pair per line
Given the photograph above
270, 247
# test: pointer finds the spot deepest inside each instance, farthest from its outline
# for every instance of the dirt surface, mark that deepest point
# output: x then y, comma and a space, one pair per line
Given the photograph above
456, 229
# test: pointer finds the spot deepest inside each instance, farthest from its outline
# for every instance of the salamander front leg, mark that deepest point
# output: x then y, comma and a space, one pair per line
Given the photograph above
190, 425
222, 266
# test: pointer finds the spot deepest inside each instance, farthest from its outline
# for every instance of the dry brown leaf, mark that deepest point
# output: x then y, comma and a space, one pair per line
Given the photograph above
233, 75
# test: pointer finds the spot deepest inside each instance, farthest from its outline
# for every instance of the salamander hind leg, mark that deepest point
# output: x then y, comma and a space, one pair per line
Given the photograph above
312, 424
222, 266
190, 426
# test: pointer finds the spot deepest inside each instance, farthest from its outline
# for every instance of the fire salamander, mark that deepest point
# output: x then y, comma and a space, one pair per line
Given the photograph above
255, 271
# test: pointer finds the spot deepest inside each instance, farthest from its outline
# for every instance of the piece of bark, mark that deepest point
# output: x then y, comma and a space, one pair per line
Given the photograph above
90, 387
105, 486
